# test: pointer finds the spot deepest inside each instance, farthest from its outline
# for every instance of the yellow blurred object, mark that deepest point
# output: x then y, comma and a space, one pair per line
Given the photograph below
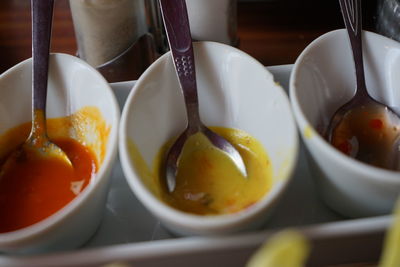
285, 249
391, 252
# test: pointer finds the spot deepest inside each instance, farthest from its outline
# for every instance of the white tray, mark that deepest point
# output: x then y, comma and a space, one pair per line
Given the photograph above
130, 234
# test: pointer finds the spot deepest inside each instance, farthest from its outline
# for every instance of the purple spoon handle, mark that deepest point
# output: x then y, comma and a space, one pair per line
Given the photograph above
352, 16
42, 15
180, 40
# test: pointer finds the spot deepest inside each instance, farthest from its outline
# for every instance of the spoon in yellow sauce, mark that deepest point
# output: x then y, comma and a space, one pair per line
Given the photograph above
38, 141
363, 128
178, 32
207, 182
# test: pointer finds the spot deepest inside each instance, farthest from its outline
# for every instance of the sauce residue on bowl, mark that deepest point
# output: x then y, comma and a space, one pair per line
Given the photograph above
35, 188
208, 182
369, 135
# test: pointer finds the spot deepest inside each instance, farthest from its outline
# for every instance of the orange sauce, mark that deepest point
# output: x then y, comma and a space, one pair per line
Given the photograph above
32, 190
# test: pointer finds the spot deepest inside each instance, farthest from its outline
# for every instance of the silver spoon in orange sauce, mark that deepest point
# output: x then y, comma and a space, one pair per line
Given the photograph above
38, 142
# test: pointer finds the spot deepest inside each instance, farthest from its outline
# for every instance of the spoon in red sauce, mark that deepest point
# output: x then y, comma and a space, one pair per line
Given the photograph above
38, 142
180, 40
364, 128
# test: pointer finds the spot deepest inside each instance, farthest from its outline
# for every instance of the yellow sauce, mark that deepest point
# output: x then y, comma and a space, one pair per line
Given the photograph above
208, 182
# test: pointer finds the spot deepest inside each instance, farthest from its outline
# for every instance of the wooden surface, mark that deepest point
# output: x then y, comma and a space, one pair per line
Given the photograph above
274, 32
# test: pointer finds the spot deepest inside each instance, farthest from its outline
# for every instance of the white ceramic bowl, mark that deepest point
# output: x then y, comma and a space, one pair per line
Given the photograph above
323, 78
234, 91
73, 84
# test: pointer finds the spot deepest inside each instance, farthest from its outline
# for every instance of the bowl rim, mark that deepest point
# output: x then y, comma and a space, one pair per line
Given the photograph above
198, 223
26, 235
365, 170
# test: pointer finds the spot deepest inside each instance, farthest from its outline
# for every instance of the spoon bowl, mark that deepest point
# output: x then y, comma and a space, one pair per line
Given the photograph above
364, 128
178, 32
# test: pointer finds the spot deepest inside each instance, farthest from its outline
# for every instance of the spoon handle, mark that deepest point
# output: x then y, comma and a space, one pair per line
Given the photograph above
180, 40
352, 16
42, 14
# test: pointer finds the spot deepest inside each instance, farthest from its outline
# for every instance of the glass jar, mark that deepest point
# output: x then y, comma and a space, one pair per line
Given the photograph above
106, 28
120, 38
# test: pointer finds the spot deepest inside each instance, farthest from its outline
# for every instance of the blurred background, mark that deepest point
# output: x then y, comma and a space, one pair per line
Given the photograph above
273, 31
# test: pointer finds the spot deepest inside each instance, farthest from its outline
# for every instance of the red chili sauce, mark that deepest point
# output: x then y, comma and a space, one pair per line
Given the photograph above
32, 190
368, 134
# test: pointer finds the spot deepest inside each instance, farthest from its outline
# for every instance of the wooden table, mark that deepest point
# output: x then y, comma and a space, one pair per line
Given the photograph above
274, 32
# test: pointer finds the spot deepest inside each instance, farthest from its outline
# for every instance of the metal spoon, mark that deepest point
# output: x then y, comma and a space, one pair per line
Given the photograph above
383, 152
178, 32
38, 141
